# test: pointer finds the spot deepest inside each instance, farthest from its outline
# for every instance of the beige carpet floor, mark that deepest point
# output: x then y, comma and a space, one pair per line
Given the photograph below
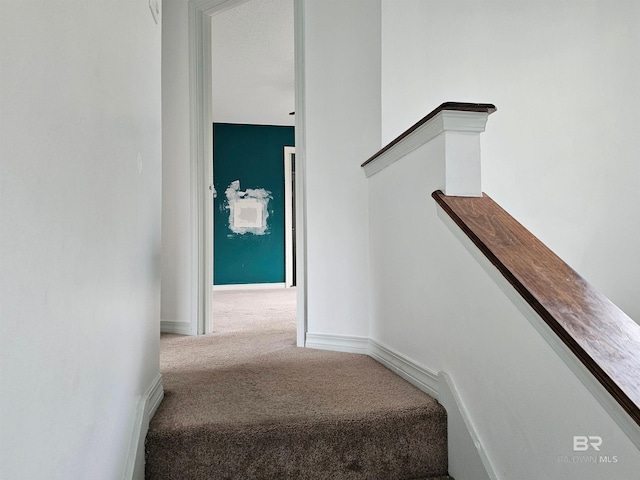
245, 402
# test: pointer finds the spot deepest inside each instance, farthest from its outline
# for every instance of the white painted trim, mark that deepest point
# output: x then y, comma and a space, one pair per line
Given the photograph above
301, 171
199, 115
146, 408
467, 456
179, 328
338, 343
154, 396
201, 122
211, 7
288, 214
249, 286
419, 375
446, 120
611, 406
134, 469
205, 324
416, 374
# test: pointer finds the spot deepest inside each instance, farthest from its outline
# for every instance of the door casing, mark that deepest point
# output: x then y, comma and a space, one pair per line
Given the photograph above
201, 142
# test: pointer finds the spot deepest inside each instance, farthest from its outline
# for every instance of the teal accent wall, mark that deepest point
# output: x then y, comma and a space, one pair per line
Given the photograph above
254, 155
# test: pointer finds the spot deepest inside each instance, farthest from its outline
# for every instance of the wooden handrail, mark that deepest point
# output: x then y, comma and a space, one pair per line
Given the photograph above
451, 106
601, 336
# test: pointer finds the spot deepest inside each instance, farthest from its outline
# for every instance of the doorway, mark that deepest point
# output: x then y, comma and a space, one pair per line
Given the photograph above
200, 73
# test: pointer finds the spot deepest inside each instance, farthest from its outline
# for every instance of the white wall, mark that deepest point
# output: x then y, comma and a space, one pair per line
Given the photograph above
342, 58
176, 165
80, 193
561, 152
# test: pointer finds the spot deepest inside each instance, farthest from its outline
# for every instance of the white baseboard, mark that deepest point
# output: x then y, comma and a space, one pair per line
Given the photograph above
147, 405
179, 328
154, 396
338, 343
249, 286
470, 460
416, 374
420, 376
467, 457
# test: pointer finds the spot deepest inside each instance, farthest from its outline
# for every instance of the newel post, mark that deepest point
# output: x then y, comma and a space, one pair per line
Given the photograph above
461, 131
458, 127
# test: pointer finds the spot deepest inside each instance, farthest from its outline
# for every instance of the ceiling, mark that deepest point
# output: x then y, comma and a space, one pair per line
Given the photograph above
253, 63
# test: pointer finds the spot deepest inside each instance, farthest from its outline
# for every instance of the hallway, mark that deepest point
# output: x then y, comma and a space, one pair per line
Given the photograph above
245, 402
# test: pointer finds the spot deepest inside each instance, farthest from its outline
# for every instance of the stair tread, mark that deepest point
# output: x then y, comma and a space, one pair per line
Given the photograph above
263, 408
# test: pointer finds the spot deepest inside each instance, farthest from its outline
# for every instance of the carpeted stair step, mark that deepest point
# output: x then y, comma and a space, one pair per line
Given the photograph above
246, 403
403, 444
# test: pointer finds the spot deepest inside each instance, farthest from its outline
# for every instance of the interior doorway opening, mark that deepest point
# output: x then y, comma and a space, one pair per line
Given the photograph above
200, 66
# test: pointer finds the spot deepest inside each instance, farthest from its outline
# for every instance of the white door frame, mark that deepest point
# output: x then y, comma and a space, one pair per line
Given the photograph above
289, 152
201, 125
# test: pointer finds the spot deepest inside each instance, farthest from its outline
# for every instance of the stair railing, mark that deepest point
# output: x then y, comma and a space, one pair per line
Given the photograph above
572, 316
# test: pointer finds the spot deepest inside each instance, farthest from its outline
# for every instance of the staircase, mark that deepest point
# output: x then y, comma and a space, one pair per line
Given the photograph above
246, 403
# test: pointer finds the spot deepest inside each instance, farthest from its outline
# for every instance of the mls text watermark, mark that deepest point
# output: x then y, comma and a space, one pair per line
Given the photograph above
590, 444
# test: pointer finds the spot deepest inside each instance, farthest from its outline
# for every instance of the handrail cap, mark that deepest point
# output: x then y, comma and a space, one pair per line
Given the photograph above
487, 108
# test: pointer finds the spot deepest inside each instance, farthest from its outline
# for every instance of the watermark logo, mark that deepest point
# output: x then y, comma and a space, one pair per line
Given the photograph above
590, 444
582, 443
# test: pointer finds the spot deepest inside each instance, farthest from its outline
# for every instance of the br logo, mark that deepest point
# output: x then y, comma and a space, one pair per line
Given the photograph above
582, 443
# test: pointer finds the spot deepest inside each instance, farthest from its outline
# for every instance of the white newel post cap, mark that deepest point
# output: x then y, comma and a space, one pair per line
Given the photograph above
460, 124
